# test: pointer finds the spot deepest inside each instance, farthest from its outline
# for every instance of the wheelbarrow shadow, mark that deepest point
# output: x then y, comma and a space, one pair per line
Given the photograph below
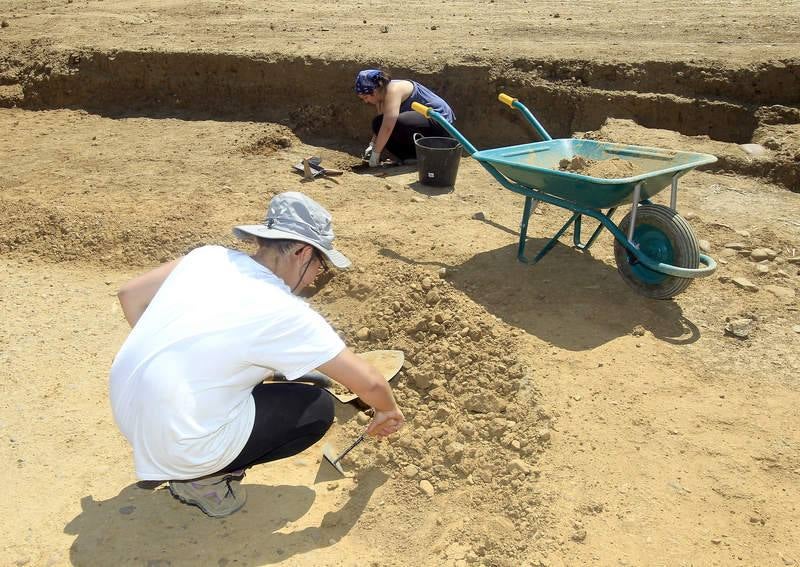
141, 526
569, 299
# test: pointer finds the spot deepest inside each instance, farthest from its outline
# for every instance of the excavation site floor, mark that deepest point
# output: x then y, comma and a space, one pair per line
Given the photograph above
555, 416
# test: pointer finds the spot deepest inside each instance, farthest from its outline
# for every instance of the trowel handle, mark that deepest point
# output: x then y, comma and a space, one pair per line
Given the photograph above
351, 447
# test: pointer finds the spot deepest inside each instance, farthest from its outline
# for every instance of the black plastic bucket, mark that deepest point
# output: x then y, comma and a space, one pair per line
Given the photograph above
437, 160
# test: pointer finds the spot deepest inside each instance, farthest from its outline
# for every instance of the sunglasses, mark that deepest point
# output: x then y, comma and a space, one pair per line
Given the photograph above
323, 265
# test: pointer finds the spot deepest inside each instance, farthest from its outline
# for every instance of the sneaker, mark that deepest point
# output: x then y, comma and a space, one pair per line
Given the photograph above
218, 496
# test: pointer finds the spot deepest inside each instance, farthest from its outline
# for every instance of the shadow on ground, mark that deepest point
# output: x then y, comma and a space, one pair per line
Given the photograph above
569, 299
149, 527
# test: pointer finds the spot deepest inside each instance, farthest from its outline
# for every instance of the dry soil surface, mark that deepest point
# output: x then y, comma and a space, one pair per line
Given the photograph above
555, 416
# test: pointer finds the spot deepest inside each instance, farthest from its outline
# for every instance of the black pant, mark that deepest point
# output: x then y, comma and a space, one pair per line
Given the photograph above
401, 141
289, 419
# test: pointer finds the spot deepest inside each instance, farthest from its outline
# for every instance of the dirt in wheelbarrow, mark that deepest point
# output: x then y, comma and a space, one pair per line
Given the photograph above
613, 168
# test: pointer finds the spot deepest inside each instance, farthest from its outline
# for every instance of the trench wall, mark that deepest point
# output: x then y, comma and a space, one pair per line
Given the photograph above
315, 97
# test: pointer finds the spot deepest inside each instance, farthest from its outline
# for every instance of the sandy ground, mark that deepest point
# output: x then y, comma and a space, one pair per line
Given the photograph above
640, 425
557, 417
423, 33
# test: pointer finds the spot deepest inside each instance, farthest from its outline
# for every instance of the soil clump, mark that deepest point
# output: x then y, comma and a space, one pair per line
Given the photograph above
613, 168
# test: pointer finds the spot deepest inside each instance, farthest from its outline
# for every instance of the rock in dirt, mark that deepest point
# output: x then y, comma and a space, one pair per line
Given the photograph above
762, 269
740, 327
754, 150
439, 394
380, 333
362, 334
4, 24
487, 402
421, 379
784, 293
426, 487
793, 260
479, 216
736, 245
579, 535
760, 254
705, 246
518, 465
744, 283
410, 471
432, 297
796, 329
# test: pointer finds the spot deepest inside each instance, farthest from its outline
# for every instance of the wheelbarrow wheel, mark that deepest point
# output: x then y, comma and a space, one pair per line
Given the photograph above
664, 236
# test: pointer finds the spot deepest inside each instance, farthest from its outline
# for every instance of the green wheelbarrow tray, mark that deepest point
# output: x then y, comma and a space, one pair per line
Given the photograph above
536, 166
658, 255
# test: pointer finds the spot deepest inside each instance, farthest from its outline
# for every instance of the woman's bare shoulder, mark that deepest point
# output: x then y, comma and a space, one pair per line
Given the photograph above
402, 87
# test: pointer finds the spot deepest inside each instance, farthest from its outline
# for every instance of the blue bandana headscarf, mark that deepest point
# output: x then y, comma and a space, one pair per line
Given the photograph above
367, 81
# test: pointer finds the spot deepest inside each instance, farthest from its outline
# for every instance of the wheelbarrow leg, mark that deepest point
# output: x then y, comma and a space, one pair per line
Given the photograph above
523, 230
576, 239
523, 233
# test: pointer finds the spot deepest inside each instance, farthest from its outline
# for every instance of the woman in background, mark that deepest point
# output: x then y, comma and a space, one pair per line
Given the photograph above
395, 125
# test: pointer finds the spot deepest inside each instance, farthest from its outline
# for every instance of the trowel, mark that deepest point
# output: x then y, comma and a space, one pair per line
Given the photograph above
330, 453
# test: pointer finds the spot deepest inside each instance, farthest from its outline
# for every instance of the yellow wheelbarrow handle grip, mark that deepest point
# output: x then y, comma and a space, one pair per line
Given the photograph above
505, 99
421, 108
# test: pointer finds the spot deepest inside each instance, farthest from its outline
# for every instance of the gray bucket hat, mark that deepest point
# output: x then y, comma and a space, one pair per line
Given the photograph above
295, 216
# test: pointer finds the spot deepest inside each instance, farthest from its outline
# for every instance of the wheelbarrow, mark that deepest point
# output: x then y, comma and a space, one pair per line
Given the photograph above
655, 249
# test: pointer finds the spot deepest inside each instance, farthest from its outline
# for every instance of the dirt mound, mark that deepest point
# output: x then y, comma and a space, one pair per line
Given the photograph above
275, 139
613, 168
470, 403
88, 233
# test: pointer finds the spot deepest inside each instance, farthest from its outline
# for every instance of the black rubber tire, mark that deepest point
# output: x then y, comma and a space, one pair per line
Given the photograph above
685, 251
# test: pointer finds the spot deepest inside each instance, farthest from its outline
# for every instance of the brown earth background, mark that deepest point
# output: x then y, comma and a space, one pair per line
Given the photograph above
555, 416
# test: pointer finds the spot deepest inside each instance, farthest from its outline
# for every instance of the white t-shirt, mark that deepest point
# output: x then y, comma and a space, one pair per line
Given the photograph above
181, 383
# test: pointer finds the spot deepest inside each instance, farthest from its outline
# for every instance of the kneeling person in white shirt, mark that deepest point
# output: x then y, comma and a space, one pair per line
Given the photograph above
187, 385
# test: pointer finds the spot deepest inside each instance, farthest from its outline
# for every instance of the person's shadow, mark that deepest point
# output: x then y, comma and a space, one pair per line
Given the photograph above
141, 526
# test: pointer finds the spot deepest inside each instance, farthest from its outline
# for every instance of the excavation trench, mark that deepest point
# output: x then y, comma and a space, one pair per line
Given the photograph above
314, 97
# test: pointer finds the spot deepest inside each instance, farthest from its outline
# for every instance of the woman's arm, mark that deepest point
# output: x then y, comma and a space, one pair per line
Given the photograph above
136, 295
391, 110
367, 383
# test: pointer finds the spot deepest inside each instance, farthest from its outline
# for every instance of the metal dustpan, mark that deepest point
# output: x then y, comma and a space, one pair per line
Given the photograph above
388, 363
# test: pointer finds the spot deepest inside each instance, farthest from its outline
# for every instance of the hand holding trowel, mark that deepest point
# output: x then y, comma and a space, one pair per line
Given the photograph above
388, 363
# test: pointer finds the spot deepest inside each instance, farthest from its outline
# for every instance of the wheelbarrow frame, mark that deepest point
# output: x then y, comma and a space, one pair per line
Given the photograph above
533, 194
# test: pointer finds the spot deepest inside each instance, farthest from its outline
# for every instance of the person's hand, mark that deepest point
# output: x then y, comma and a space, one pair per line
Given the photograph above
367, 152
374, 159
386, 423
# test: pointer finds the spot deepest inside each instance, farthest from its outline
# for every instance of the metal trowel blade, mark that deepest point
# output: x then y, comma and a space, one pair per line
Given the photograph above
330, 454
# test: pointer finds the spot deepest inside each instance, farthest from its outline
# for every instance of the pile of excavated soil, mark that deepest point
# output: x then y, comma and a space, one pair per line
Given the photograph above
614, 168
469, 401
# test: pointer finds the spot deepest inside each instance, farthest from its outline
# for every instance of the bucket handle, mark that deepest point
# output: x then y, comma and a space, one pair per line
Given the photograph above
417, 136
